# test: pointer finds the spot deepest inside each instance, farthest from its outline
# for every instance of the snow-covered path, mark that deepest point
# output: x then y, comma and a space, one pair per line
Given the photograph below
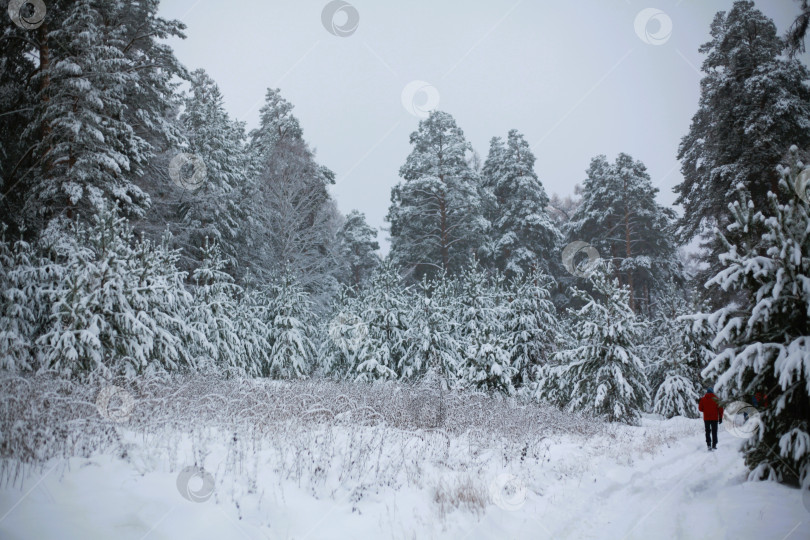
682, 491
685, 492
657, 481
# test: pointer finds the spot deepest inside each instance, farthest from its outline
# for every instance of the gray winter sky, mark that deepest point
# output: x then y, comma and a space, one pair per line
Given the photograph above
578, 78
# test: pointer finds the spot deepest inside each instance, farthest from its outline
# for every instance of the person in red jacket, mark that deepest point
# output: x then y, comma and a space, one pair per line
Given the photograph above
712, 415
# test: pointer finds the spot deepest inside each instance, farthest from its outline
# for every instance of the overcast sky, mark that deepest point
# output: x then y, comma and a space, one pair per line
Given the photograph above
577, 78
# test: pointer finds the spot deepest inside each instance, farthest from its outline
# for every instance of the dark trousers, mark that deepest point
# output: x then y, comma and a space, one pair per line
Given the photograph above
711, 432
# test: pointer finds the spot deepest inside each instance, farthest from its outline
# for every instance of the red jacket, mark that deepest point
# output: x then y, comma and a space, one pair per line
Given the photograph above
711, 410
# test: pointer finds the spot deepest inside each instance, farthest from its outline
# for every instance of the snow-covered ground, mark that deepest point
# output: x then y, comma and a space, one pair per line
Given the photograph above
653, 481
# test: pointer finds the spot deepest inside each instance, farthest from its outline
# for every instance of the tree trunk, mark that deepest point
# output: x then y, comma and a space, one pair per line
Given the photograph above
44, 66
444, 234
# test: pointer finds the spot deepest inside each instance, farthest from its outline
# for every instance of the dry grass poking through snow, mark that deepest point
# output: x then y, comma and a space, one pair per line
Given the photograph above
323, 435
465, 493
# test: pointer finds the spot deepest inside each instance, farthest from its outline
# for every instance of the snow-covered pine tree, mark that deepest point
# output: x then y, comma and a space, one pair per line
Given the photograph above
216, 314
385, 314
212, 209
20, 304
763, 337
675, 355
619, 216
276, 123
531, 325
522, 234
254, 326
293, 354
86, 148
119, 307
798, 30
486, 361
152, 102
754, 103
435, 213
432, 334
358, 249
345, 334
676, 395
102, 89
603, 374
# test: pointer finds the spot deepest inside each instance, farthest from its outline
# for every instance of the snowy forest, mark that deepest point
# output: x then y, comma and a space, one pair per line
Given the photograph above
170, 280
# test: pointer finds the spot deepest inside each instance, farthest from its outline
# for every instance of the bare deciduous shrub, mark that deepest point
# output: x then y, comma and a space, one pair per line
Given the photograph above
367, 434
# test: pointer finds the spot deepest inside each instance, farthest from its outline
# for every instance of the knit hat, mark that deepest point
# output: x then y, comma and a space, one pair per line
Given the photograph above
710, 390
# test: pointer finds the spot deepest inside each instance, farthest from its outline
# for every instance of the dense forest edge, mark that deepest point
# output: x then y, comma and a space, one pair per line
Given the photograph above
145, 235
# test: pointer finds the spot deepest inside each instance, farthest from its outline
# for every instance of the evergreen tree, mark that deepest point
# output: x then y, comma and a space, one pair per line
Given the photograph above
17, 100
276, 124
359, 248
20, 304
531, 326
101, 91
433, 346
254, 327
385, 314
346, 334
619, 216
212, 209
798, 30
677, 353
754, 102
215, 315
523, 236
435, 215
119, 306
292, 354
486, 358
603, 373
762, 337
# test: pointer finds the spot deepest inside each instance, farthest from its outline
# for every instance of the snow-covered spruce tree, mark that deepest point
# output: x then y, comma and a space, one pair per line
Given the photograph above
237, 320
358, 249
432, 334
603, 374
763, 337
385, 314
522, 234
292, 355
254, 326
531, 325
486, 362
620, 217
344, 335
435, 213
212, 209
676, 353
216, 314
20, 304
754, 103
119, 307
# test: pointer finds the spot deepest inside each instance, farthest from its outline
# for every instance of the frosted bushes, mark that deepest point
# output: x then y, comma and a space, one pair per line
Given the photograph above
45, 417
